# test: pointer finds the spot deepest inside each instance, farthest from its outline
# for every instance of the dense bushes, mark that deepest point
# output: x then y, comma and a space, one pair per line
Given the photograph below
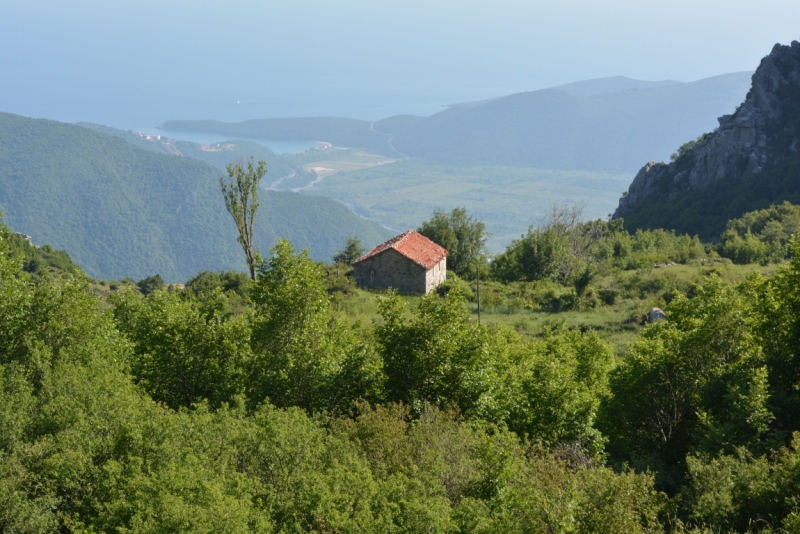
761, 236
574, 253
170, 413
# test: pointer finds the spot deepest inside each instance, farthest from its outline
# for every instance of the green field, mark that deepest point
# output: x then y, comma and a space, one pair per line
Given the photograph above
401, 195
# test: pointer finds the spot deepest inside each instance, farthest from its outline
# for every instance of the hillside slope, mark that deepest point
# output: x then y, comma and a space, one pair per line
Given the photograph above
119, 210
553, 129
611, 84
750, 161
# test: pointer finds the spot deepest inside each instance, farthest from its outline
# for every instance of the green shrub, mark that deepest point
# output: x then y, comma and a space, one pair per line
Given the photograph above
150, 284
555, 302
608, 296
453, 282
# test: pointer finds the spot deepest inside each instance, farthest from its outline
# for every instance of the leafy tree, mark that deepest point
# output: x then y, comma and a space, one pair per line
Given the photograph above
743, 249
761, 236
351, 251
535, 256
732, 492
241, 199
438, 356
560, 382
84, 448
779, 305
694, 383
462, 235
302, 353
207, 282
150, 284
564, 248
184, 350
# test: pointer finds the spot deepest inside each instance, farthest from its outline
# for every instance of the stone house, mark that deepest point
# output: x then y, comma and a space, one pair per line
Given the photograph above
410, 263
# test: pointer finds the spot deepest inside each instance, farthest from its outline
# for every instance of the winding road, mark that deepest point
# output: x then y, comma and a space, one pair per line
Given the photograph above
389, 138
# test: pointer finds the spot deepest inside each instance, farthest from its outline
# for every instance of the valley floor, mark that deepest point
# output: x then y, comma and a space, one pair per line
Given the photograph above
402, 194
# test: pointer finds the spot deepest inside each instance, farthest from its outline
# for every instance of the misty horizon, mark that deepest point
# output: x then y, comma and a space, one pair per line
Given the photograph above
138, 64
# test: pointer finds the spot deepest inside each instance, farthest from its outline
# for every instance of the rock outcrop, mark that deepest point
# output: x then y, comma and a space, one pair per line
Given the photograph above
744, 142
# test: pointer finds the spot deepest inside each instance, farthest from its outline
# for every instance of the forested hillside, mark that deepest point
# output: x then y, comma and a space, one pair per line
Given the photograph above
121, 211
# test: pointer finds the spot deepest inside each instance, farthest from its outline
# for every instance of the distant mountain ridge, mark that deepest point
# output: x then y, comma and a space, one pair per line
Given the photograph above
751, 160
119, 210
611, 84
552, 129
608, 124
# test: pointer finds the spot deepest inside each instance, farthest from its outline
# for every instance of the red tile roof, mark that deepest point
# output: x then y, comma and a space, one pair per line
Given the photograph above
413, 246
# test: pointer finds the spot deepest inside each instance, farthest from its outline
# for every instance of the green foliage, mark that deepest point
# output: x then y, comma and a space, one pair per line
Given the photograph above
185, 351
462, 235
152, 416
41, 260
576, 253
454, 283
303, 355
534, 256
646, 248
351, 251
438, 356
561, 380
686, 148
738, 491
150, 284
761, 236
695, 383
207, 282
743, 249
564, 248
779, 306
458, 477
548, 390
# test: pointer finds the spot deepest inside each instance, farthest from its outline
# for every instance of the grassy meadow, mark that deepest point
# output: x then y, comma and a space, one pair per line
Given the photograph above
524, 306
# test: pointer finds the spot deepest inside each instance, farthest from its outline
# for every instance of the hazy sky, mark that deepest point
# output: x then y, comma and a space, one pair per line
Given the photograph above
127, 62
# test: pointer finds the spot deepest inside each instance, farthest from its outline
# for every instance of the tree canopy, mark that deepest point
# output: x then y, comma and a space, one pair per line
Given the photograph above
461, 234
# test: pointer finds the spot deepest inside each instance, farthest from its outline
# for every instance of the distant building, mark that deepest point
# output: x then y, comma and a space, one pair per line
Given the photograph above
410, 263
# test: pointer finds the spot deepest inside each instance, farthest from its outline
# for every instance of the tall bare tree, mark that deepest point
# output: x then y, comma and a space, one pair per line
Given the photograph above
240, 192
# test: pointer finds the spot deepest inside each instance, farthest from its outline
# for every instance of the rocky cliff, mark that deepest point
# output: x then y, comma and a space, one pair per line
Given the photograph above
763, 130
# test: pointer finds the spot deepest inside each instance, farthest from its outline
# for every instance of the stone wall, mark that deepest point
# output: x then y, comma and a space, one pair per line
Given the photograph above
390, 269
436, 275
